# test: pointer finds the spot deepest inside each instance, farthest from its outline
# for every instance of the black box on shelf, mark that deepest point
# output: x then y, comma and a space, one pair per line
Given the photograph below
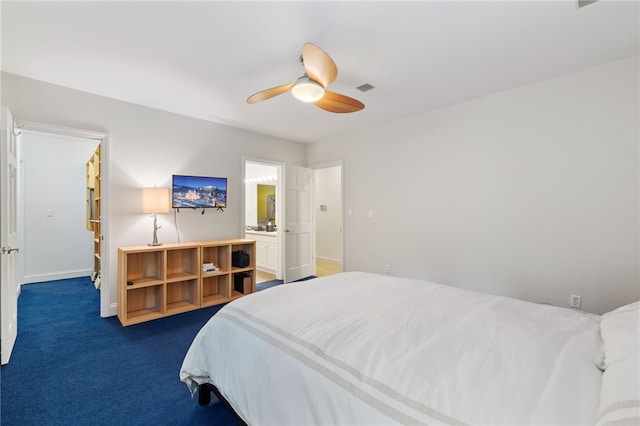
242, 282
240, 259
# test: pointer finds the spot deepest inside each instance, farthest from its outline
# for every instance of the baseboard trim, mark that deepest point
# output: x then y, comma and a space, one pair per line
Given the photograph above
329, 260
267, 270
112, 311
28, 279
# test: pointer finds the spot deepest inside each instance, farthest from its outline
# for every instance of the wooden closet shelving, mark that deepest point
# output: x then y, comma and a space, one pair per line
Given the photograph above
94, 201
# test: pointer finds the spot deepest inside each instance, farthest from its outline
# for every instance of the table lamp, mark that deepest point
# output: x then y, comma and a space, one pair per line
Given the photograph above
154, 201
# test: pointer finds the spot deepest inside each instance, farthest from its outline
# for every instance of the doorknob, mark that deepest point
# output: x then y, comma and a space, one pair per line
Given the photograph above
8, 250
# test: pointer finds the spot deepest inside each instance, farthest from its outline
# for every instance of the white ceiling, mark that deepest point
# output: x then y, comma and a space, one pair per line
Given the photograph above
203, 59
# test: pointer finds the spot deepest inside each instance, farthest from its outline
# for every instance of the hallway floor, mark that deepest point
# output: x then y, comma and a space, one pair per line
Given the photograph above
323, 268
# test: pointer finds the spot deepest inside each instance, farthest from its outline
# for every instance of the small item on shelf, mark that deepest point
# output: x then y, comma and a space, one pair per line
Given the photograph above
242, 283
240, 259
209, 267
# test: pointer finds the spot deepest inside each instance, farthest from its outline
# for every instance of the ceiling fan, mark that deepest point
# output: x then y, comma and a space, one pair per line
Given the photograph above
320, 72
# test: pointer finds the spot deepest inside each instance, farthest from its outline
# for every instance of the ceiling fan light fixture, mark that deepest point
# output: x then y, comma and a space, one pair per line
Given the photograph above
307, 90
319, 72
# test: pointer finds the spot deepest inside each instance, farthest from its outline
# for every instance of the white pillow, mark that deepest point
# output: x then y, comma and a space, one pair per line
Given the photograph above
620, 392
620, 331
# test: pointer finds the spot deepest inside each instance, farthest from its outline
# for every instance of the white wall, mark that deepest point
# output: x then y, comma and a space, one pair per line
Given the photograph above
146, 146
531, 193
328, 221
57, 243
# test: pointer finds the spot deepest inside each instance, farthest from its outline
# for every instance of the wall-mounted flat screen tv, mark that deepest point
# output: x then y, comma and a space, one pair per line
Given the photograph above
198, 192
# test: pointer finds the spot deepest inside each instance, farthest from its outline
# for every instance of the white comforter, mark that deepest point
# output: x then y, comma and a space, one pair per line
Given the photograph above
360, 348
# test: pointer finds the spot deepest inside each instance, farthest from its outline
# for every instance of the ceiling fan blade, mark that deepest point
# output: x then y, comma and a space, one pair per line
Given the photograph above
269, 93
318, 64
335, 102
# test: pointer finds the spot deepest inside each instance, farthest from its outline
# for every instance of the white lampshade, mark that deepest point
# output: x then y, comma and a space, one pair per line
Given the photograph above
307, 90
155, 200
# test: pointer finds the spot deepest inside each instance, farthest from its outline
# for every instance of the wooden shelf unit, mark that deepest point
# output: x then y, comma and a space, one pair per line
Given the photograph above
157, 281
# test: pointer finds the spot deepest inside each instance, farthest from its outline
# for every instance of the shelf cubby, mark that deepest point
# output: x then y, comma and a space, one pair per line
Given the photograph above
183, 263
249, 247
182, 296
242, 283
216, 289
219, 255
145, 303
144, 266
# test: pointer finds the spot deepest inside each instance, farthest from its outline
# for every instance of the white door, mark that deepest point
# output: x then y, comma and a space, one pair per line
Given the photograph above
298, 232
8, 235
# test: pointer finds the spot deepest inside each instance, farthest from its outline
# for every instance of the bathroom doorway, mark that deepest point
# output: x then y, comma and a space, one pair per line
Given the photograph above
262, 217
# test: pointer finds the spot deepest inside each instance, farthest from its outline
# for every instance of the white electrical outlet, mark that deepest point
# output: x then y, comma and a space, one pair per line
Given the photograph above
575, 301
387, 269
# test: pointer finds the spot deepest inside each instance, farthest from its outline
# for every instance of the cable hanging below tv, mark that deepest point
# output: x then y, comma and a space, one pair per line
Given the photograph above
198, 192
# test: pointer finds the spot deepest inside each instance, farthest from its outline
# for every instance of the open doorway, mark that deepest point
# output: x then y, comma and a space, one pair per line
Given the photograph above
262, 217
74, 263
264, 188
328, 209
57, 243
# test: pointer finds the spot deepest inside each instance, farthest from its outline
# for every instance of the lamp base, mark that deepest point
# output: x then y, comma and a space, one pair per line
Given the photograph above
155, 232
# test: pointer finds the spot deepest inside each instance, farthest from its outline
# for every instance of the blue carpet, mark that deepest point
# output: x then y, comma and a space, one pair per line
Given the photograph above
267, 284
72, 367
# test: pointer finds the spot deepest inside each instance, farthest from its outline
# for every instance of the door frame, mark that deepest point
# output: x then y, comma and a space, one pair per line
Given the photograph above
326, 165
107, 307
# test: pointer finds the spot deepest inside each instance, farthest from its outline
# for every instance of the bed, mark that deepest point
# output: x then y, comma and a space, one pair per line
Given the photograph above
366, 349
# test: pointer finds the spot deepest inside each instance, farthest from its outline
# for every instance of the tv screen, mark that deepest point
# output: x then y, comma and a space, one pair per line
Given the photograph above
199, 192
